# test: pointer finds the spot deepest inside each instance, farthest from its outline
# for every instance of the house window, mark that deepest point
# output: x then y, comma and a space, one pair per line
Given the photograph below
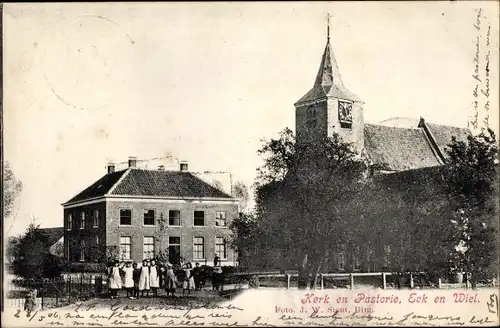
148, 248
82, 250
220, 219
82, 220
198, 248
125, 247
149, 217
174, 218
174, 250
199, 218
96, 218
341, 261
221, 247
356, 259
125, 217
70, 221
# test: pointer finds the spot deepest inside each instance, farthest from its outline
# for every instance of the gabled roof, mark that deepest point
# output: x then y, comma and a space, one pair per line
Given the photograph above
154, 183
328, 81
54, 234
443, 134
165, 184
398, 149
99, 188
401, 149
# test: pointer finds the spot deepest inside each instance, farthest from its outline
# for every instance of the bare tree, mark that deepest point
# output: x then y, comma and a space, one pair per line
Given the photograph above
240, 191
12, 189
217, 184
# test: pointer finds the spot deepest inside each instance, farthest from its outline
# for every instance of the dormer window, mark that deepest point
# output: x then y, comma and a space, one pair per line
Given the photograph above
345, 114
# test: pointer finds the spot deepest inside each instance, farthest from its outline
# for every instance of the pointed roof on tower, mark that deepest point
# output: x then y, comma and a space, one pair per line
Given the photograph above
328, 81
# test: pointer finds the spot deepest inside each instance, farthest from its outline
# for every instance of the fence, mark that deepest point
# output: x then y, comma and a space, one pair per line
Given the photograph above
384, 280
55, 292
72, 288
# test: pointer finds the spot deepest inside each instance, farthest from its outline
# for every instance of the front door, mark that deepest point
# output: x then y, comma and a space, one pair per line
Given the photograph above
174, 250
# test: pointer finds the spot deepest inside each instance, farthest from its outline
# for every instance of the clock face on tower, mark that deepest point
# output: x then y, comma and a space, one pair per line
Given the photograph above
345, 112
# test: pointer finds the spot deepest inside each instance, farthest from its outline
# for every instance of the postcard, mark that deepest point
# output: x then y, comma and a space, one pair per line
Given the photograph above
231, 164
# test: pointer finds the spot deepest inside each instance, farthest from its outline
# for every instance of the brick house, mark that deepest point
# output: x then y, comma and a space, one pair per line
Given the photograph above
134, 214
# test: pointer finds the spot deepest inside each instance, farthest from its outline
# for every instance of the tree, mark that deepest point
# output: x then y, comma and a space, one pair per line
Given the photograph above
12, 247
240, 191
12, 189
218, 185
162, 252
471, 176
305, 198
32, 255
245, 230
396, 208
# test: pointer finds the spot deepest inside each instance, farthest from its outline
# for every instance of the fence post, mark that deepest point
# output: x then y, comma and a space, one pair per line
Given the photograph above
287, 280
439, 283
42, 285
69, 289
384, 281
81, 285
351, 278
322, 284
412, 283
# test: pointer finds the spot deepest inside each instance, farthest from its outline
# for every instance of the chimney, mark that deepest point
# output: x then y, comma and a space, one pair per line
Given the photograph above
183, 166
132, 161
111, 168
161, 168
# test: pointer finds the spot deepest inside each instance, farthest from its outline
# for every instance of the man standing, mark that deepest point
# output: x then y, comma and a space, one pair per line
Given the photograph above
197, 276
216, 260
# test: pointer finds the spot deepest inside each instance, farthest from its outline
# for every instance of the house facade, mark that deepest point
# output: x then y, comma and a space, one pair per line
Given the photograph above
400, 148
135, 214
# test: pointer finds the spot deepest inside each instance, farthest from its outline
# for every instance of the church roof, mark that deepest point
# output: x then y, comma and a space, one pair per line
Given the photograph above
398, 149
443, 133
328, 81
401, 149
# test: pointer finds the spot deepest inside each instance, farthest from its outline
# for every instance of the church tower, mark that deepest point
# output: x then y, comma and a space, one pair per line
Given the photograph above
329, 107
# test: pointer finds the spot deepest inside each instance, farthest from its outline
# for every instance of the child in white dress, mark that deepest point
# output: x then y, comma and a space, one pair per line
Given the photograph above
115, 279
144, 279
129, 279
154, 278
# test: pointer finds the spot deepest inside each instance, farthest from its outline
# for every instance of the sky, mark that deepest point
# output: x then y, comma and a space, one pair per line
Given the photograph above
206, 82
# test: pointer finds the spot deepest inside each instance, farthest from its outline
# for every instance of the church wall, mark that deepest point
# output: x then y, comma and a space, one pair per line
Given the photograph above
300, 122
302, 129
355, 134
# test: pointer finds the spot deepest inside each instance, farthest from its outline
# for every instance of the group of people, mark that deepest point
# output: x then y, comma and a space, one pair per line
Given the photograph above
139, 282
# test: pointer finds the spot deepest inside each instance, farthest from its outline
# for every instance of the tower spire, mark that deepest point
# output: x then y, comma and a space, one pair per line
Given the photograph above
328, 26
